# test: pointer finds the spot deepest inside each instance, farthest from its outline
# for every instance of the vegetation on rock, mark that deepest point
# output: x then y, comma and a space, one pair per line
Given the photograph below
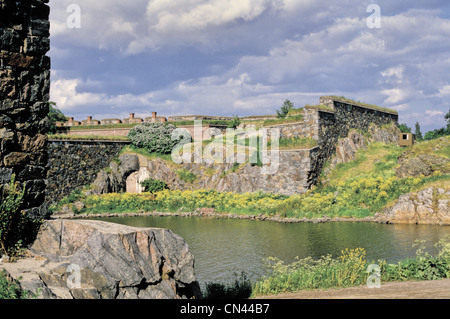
16, 229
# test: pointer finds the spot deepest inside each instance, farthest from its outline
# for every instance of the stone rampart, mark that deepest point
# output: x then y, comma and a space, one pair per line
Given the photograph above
24, 93
74, 164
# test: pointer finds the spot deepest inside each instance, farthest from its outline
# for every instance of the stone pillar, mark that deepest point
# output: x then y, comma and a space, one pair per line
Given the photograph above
24, 95
153, 116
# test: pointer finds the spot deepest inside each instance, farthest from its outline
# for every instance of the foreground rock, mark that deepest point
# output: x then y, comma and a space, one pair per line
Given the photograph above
429, 206
81, 259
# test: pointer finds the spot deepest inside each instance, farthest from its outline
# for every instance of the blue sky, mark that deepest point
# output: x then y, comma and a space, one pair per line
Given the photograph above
245, 57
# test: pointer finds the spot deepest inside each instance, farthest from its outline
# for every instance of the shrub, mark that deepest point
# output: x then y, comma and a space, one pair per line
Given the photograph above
346, 271
154, 185
235, 122
186, 176
10, 288
12, 219
154, 137
240, 289
350, 269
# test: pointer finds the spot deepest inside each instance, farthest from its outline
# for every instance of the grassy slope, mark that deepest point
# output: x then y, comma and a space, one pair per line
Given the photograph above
381, 159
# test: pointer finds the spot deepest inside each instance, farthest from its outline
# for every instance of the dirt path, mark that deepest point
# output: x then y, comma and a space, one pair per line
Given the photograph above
437, 289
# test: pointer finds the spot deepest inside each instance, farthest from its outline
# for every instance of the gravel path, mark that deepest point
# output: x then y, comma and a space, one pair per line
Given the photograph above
437, 289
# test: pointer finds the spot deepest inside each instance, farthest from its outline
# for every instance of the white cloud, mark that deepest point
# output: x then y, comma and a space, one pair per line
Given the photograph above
191, 15
395, 95
394, 74
68, 98
434, 113
301, 46
444, 91
401, 107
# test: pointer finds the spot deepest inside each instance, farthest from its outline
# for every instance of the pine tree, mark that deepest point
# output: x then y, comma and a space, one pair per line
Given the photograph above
419, 136
287, 106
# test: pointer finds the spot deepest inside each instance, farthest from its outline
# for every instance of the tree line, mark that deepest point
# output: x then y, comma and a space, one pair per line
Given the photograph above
430, 135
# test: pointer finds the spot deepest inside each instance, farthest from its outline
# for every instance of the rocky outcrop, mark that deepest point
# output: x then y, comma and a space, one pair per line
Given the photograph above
423, 164
114, 178
289, 177
347, 147
428, 206
82, 259
426, 159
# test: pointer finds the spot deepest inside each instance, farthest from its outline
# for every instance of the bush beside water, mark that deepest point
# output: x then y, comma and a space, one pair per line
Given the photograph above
350, 269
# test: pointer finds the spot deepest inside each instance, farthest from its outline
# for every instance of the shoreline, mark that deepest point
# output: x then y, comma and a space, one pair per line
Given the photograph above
208, 214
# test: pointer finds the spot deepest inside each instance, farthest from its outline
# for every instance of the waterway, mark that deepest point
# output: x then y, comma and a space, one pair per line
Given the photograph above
225, 247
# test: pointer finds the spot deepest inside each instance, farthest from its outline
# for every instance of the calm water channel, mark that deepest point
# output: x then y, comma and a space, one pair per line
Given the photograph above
223, 247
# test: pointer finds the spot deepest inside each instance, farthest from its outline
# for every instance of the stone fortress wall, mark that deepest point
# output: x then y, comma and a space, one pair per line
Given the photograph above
299, 169
24, 93
73, 164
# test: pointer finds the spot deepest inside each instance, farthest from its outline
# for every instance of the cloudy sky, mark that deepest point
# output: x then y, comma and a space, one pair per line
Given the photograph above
245, 57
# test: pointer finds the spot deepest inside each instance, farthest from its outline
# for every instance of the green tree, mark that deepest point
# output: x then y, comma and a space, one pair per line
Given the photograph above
54, 115
155, 137
404, 128
154, 185
285, 108
235, 122
447, 118
443, 131
419, 136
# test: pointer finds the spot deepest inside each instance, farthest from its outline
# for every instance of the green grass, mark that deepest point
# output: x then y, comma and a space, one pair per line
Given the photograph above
102, 127
131, 125
88, 137
350, 269
204, 122
131, 149
295, 111
286, 120
439, 147
378, 158
358, 103
295, 143
319, 107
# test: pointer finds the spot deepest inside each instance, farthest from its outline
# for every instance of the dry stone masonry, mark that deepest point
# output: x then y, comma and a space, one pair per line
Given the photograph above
24, 93
74, 164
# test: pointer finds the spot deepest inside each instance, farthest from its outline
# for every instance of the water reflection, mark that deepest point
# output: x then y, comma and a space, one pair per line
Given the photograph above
225, 246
